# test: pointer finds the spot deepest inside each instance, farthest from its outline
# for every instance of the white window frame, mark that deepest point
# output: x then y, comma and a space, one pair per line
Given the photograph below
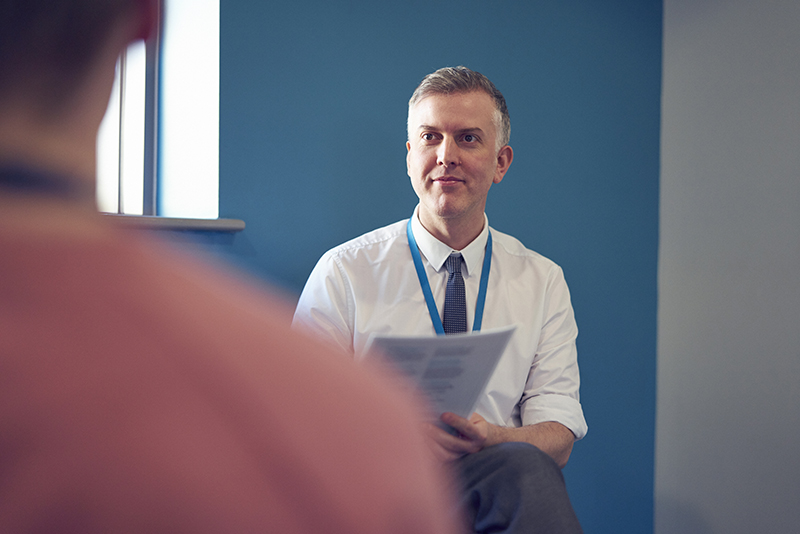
123, 136
158, 146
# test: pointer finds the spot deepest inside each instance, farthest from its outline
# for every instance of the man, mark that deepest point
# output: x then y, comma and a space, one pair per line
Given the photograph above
509, 451
141, 391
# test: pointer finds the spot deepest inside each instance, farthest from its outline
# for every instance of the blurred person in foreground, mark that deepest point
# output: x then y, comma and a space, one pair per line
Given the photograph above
141, 391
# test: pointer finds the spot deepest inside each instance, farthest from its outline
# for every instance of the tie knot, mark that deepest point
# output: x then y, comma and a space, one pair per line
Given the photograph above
453, 264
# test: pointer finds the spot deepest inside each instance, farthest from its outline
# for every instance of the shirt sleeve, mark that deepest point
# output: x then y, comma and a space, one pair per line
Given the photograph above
552, 387
325, 307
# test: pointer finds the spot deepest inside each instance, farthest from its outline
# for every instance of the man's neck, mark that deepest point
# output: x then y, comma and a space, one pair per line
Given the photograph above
66, 154
456, 233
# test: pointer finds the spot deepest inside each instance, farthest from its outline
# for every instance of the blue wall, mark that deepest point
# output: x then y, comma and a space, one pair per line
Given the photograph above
312, 133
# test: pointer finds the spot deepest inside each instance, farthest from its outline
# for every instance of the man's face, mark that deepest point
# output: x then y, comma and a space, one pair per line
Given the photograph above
453, 158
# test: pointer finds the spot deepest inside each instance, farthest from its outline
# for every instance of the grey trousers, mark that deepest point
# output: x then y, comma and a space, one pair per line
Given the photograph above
514, 488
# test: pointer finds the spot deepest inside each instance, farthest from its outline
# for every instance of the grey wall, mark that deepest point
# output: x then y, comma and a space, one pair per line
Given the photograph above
728, 419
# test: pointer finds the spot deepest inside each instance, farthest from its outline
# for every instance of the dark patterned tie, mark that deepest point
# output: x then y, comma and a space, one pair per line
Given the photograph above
455, 298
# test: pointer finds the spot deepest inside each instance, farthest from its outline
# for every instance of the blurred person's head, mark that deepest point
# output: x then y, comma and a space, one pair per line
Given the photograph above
49, 47
57, 62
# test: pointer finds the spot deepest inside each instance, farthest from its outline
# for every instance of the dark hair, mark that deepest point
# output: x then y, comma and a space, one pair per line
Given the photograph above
47, 46
450, 80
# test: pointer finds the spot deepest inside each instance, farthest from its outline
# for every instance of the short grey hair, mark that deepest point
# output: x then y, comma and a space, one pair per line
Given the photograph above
454, 80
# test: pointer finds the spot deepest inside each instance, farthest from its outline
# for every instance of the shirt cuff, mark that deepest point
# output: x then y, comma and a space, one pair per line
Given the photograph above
558, 408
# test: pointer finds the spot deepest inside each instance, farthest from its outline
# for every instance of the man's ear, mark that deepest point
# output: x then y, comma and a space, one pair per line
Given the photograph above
408, 157
504, 159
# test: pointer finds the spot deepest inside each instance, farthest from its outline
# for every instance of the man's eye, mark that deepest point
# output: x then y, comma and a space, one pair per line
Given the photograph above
428, 137
469, 138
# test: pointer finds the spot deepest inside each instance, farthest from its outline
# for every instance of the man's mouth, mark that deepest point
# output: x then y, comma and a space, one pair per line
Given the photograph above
444, 180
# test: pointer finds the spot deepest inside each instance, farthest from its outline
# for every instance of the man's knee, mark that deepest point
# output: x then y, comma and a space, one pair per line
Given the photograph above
513, 465
513, 486
524, 454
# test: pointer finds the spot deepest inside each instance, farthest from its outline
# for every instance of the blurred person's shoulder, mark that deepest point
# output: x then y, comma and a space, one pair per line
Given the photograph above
196, 368
321, 414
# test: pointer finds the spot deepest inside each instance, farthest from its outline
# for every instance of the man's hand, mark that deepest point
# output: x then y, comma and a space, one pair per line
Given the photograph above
473, 435
476, 433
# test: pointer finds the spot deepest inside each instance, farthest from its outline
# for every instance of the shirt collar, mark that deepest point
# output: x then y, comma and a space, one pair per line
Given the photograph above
437, 252
27, 180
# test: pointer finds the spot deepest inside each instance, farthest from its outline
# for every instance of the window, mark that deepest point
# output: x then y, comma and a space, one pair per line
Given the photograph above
158, 145
121, 139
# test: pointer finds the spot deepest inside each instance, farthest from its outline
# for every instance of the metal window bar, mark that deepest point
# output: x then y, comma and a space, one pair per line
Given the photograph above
123, 61
150, 178
151, 121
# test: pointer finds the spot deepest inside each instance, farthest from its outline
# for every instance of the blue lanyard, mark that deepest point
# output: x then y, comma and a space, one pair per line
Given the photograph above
426, 286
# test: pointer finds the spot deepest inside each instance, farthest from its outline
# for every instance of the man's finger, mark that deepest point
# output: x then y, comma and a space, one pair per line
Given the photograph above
464, 427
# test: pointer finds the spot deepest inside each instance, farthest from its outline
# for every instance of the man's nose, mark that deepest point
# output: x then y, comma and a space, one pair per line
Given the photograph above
448, 153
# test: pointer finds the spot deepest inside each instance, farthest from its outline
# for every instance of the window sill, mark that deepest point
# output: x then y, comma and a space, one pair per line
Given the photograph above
149, 222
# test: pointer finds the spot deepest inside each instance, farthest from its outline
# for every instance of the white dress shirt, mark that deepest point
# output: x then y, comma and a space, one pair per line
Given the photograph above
369, 285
